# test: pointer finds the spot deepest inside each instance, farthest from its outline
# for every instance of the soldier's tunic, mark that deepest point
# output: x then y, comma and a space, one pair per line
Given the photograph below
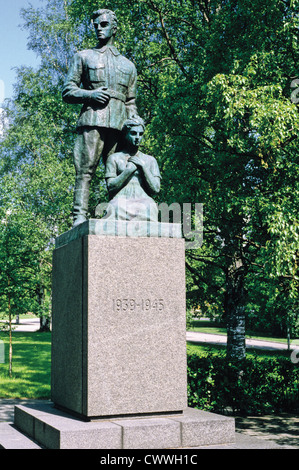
106, 67
99, 125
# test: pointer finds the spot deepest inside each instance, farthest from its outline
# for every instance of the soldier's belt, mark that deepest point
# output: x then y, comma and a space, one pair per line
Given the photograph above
117, 95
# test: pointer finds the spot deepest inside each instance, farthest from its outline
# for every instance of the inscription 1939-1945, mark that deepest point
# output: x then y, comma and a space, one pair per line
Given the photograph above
144, 305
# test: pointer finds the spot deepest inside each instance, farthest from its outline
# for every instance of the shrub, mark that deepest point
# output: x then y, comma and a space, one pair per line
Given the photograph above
259, 386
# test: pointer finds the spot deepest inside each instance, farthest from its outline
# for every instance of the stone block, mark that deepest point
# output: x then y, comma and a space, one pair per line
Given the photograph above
67, 325
205, 428
150, 433
120, 228
118, 327
55, 429
12, 438
24, 421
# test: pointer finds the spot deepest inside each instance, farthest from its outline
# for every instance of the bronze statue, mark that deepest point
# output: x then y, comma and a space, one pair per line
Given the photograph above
132, 178
108, 96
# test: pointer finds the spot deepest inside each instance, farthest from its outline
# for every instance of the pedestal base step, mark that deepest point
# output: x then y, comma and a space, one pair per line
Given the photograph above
54, 429
12, 438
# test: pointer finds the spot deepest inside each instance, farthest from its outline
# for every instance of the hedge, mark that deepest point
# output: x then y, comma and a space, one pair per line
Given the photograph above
263, 385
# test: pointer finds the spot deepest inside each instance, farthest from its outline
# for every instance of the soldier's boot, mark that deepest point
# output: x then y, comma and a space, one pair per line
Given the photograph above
80, 207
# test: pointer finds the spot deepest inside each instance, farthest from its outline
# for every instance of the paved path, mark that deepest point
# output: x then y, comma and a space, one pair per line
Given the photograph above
198, 337
32, 324
26, 324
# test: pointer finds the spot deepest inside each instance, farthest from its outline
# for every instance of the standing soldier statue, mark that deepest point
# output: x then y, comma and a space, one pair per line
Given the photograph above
108, 96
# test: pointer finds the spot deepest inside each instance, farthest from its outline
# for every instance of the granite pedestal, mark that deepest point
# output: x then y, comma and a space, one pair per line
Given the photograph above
118, 326
119, 378
54, 429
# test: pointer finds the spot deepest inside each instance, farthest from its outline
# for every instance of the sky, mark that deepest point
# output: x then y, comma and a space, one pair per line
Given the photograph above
13, 44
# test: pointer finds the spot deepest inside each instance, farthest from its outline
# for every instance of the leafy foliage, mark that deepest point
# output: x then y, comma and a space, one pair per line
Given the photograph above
264, 386
215, 90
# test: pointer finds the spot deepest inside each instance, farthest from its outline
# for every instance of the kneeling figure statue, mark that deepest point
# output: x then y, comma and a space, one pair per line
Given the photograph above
132, 178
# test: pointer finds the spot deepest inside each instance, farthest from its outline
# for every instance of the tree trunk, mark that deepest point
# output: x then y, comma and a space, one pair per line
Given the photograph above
235, 310
236, 348
10, 331
44, 320
44, 323
288, 334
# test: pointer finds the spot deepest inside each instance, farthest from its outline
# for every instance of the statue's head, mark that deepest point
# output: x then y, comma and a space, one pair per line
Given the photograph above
133, 130
105, 23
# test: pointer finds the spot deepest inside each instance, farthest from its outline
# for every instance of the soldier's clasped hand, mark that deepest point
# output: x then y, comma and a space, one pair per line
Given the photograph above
100, 95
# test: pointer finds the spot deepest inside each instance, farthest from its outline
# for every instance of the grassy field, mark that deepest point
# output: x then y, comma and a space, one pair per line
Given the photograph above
32, 364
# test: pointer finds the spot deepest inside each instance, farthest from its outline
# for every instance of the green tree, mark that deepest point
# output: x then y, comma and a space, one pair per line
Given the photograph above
21, 271
36, 148
214, 88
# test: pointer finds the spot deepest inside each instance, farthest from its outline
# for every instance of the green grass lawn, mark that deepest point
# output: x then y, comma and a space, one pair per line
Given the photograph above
31, 366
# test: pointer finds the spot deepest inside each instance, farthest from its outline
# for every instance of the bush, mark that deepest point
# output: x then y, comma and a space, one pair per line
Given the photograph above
262, 386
